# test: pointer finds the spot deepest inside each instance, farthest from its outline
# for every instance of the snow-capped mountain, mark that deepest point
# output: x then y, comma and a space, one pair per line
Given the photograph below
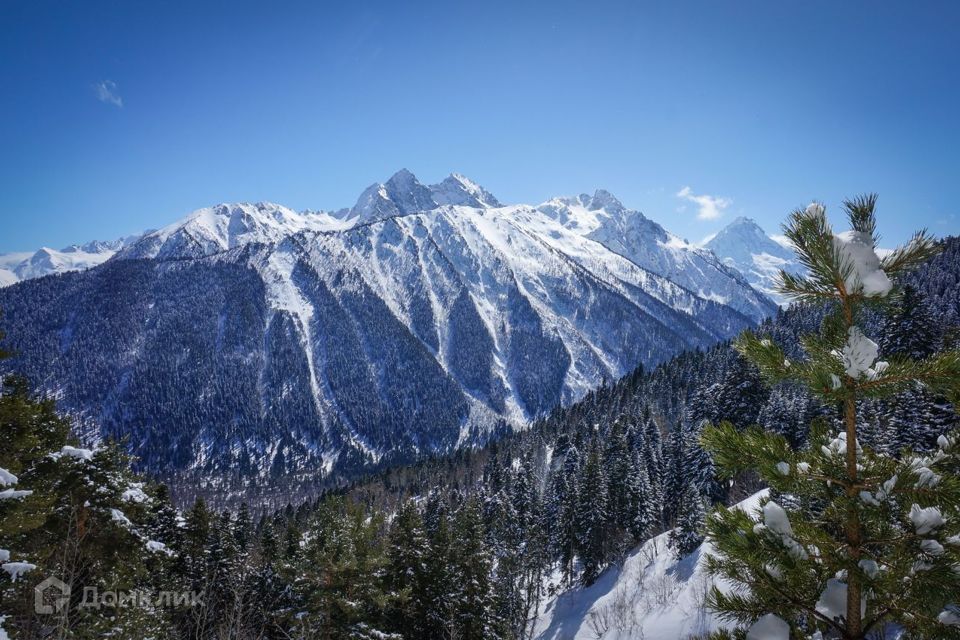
747, 248
225, 226
604, 219
15, 267
248, 340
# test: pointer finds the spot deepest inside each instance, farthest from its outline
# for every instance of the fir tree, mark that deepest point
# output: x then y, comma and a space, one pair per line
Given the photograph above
692, 511
473, 606
865, 542
592, 517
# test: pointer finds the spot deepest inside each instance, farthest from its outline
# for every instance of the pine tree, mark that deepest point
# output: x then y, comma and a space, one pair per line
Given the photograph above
473, 605
865, 541
915, 417
564, 502
592, 517
406, 566
644, 513
621, 487
692, 511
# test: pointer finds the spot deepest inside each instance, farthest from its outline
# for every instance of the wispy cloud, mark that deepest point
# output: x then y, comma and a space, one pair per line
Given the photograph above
709, 207
107, 92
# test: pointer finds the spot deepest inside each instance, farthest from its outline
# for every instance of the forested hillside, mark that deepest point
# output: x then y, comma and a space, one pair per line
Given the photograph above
248, 352
467, 545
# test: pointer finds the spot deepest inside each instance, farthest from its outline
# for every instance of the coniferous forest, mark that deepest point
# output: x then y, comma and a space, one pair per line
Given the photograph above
471, 544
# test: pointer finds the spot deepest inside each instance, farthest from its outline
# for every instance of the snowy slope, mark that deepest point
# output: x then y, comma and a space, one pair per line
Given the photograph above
747, 248
15, 267
603, 218
225, 226
653, 596
253, 340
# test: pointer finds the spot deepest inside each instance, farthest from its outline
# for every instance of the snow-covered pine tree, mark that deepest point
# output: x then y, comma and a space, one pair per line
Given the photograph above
868, 541
691, 514
644, 514
915, 417
564, 499
474, 598
591, 516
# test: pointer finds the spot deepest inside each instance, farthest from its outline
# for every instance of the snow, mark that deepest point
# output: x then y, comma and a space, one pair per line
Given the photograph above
833, 600
931, 547
229, 225
746, 247
119, 517
17, 569
651, 595
12, 494
6, 478
74, 452
134, 493
4, 555
18, 266
867, 498
776, 520
859, 354
769, 627
949, 618
783, 468
926, 478
860, 262
925, 520
158, 547
869, 567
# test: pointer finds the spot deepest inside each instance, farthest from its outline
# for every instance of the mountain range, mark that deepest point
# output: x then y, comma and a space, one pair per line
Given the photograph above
247, 342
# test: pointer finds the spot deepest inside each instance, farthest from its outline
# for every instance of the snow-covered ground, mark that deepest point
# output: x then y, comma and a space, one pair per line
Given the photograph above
652, 596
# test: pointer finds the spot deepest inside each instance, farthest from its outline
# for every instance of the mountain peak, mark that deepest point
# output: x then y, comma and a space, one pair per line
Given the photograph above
401, 194
745, 246
603, 199
403, 177
457, 189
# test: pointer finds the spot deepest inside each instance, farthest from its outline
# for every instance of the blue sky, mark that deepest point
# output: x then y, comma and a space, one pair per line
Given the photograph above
121, 116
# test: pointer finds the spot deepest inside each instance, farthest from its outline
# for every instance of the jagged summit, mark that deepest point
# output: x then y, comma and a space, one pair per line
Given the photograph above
227, 225
576, 225
404, 194
603, 199
746, 247
457, 189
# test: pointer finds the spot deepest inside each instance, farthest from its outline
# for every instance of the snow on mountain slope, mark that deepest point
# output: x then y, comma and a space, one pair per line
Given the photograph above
460, 190
603, 218
15, 267
484, 271
225, 226
248, 340
744, 246
652, 596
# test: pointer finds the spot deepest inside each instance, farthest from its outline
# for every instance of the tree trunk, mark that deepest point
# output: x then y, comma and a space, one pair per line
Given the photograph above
853, 534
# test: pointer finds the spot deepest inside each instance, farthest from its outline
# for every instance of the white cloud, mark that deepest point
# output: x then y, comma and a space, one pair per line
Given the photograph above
107, 92
709, 207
